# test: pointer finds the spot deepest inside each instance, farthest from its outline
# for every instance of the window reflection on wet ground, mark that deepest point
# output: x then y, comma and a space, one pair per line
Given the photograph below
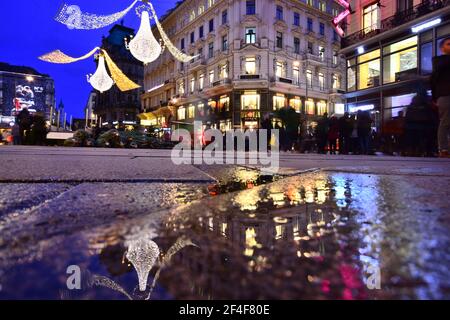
314, 236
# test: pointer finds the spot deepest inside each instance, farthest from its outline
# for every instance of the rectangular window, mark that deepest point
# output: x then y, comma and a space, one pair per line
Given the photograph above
335, 36
296, 103
335, 57
279, 101
309, 2
181, 113
250, 35
224, 103
200, 32
279, 69
310, 47
322, 6
426, 54
192, 37
224, 43
211, 25
297, 45
310, 24
279, 13
322, 53
192, 85
335, 82
400, 60
191, 112
351, 75
321, 81
371, 17
368, 69
250, 65
309, 78
296, 75
310, 106
182, 44
321, 107
211, 77
181, 87
296, 19
322, 29
211, 50
225, 17
250, 7
201, 81
223, 71
279, 40
250, 100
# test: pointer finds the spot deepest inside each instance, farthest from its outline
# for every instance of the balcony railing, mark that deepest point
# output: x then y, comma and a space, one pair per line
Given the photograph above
401, 17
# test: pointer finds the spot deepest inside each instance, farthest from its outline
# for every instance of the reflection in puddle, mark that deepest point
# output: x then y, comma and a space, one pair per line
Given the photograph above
315, 236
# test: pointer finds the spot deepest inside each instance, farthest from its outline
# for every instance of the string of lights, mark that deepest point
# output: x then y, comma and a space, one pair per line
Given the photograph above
74, 18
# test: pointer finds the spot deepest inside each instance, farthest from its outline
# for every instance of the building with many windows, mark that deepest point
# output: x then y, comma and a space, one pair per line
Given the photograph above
389, 50
253, 57
114, 106
24, 87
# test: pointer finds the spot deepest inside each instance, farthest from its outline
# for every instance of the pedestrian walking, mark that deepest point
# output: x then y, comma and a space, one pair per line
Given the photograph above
333, 135
345, 132
440, 86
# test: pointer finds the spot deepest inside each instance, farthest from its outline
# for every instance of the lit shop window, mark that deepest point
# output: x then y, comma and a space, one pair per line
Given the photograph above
321, 107
250, 65
369, 69
201, 81
224, 71
224, 103
250, 100
211, 77
250, 35
400, 60
279, 69
309, 106
296, 103
371, 18
309, 78
201, 109
181, 113
279, 101
191, 112
225, 125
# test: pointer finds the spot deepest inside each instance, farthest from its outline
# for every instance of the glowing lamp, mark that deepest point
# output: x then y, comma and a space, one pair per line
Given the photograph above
144, 46
101, 80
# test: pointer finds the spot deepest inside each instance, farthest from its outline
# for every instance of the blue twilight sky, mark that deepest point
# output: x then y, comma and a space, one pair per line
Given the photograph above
28, 30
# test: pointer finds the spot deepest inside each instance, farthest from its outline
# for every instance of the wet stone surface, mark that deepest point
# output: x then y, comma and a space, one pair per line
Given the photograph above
320, 235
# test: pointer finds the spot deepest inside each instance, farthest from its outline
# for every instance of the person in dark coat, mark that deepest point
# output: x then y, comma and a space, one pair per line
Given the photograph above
440, 86
24, 119
345, 132
266, 124
333, 134
364, 125
290, 120
322, 133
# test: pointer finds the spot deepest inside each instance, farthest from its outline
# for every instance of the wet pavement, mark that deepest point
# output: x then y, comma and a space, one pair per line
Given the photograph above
234, 234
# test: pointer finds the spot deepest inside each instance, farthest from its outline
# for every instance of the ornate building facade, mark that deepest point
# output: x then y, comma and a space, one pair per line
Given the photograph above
253, 57
115, 106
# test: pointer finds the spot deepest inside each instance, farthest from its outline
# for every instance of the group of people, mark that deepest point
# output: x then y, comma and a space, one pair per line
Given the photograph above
29, 129
422, 130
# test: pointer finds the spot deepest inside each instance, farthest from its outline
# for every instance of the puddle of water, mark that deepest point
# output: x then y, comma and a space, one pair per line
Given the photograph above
316, 236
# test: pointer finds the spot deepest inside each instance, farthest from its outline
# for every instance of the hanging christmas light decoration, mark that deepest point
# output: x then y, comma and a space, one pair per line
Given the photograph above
144, 46
100, 80
170, 46
73, 18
